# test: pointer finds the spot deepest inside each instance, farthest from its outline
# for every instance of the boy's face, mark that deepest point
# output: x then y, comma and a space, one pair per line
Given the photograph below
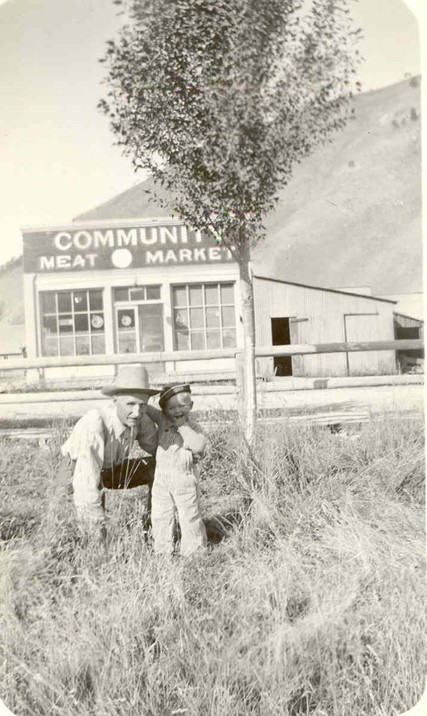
178, 407
130, 408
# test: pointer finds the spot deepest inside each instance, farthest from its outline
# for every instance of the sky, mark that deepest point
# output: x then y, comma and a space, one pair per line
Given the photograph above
57, 154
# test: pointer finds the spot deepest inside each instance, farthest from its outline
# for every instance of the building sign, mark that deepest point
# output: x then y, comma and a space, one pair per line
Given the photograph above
77, 248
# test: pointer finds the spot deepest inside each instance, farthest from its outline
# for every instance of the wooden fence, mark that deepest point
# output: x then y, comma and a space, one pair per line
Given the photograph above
266, 351
14, 364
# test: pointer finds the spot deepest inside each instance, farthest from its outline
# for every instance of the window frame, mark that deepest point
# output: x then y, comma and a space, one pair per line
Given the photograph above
205, 305
88, 312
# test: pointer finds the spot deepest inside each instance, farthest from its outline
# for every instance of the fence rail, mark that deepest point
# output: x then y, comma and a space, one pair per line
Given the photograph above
162, 357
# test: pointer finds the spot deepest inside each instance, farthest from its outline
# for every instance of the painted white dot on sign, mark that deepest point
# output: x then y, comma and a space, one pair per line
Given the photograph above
121, 258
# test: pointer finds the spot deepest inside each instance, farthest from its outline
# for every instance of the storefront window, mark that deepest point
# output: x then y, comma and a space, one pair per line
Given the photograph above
72, 323
204, 316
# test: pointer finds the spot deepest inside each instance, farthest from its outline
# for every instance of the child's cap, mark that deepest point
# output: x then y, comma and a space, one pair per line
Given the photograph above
168, 391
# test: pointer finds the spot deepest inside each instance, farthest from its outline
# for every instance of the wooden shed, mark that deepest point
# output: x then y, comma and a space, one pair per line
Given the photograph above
289, 313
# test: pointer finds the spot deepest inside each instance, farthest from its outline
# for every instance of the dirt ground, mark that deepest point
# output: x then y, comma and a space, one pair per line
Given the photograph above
332, 405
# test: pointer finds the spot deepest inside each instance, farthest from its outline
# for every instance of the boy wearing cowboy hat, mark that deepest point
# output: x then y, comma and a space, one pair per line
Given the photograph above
112, 447
181, 445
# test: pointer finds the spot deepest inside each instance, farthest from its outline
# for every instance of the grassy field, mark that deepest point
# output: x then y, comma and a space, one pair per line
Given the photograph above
310, 601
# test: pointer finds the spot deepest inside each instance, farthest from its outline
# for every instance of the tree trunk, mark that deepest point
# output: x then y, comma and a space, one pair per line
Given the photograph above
248, 320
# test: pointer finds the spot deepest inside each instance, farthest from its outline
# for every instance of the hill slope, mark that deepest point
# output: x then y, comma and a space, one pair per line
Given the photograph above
351, 215
11, 307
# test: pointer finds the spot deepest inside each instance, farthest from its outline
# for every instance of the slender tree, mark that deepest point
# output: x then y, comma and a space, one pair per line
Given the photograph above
218, 99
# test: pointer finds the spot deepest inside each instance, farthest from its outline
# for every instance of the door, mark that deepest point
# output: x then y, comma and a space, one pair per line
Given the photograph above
150, 323
298, 328
150, 332
281, 336
362, 327
126, 329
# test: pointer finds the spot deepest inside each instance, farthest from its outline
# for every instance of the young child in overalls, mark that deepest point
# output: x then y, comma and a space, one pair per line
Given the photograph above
176, 478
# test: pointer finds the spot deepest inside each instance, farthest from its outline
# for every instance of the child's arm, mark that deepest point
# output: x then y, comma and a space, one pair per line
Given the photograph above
194, 438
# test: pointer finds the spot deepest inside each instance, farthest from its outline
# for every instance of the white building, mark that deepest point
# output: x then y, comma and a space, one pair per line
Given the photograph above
110, 287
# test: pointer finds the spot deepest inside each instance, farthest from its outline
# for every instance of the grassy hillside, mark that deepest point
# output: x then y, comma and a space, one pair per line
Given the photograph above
350, 216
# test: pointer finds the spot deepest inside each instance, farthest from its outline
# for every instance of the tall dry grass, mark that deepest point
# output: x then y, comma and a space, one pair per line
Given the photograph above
312, 603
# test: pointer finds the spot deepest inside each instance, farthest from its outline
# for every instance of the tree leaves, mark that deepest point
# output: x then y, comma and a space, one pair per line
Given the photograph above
219, 99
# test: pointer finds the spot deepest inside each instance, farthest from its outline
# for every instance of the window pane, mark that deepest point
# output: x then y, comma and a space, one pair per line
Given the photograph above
212, 317
81, 323
96, 322
98, 344
50, 324
82, 345
198, 341
137, 294
229, 338
228, 316
180, 296
153, 293
48, 303
121, 294
66, 346
49, 346
126, 319
181, 320
65, 324
211, 295
196, 318
127, 343
181, 341
95, 300
64, 302
195, 295
80, 301
213, 339
227, 293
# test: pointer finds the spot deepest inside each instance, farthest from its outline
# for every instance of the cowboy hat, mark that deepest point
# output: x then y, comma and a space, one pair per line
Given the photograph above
130, 379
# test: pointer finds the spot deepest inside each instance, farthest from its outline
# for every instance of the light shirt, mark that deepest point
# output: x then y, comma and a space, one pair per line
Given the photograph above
100, 440
179, 448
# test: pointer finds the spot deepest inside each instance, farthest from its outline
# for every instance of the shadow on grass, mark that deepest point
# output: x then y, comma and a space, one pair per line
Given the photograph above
219, 527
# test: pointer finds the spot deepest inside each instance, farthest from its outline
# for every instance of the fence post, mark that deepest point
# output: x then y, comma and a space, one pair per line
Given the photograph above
240, 387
